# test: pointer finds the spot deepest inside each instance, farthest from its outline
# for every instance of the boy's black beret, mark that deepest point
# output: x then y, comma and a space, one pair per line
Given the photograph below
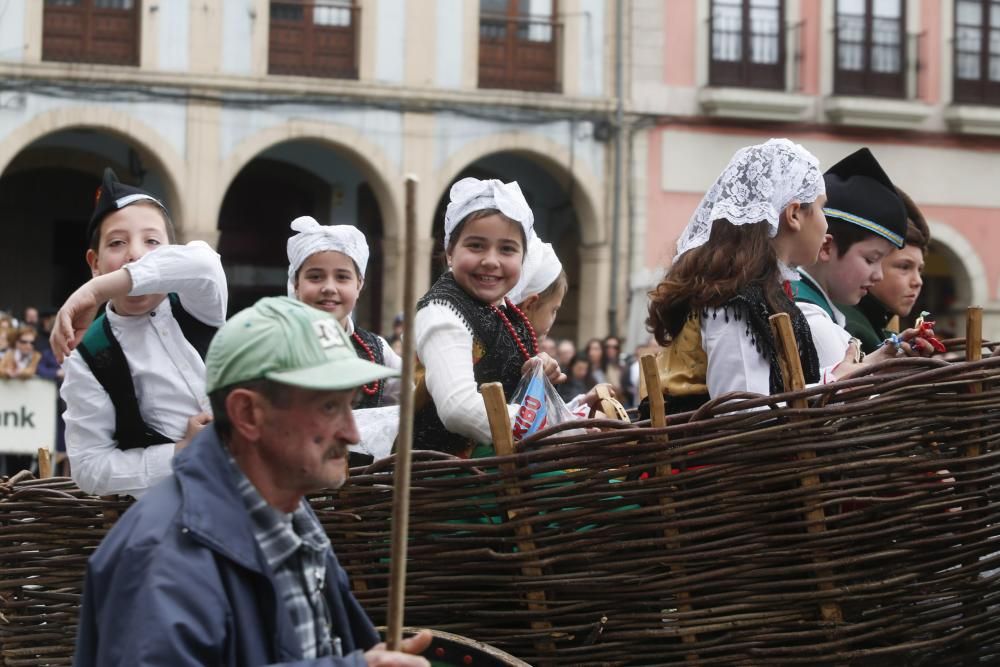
858, 191
114, 195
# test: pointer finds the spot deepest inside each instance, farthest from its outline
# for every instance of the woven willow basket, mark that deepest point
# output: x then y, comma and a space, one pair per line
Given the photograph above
862, 529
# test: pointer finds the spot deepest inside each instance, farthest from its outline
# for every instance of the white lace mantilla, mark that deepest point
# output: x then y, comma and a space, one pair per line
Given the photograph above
756, 185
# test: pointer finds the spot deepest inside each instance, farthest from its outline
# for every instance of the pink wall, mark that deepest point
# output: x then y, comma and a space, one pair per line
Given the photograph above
929, 77
980, 227
666, 212
679, 39
810, 12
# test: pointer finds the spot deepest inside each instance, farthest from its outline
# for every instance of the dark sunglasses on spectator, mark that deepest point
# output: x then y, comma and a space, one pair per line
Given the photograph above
24, 341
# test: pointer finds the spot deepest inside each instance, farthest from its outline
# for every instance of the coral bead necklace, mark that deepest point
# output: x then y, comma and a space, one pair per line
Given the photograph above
513, 332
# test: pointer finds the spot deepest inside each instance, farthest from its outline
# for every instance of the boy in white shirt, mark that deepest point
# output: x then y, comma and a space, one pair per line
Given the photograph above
135, 376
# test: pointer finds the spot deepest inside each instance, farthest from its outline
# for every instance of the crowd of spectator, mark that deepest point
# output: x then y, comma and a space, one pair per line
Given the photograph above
25, 354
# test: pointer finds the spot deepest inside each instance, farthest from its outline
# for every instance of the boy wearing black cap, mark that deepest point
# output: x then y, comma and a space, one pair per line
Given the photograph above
898, 291
135, 381
866, 221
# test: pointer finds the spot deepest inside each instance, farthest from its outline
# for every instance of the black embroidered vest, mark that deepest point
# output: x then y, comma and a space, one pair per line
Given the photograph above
500, 361
374, 343
749, 306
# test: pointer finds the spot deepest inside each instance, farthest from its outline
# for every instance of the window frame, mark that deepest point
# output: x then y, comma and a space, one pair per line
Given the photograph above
981, 90
867, 82
744, 73
55, 36
513, 71
308, 48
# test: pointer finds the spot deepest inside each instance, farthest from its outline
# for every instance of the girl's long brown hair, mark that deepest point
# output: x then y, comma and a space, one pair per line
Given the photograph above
734, 257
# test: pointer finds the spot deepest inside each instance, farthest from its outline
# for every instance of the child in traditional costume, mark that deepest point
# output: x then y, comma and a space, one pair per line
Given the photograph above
542, 287
866, 221
326, 269
762, 217
899, 289
134, 383
466, 331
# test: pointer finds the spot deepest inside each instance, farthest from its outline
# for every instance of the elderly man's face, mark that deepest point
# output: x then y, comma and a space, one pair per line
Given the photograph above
305, 444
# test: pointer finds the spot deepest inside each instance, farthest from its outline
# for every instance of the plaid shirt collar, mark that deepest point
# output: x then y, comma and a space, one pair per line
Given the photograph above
279, 534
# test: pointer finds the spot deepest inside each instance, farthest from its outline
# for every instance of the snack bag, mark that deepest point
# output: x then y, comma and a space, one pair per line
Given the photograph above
539, 405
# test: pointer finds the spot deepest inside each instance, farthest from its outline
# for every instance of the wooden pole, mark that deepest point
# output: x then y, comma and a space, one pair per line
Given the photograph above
658, 419
44, 462
503, 445
791, 372
404, 441
973, 352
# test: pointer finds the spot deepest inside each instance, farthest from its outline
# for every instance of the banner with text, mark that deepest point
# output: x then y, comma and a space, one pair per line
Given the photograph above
27, 415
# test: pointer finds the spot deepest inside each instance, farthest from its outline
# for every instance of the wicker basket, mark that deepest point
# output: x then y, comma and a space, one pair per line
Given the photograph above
864, 529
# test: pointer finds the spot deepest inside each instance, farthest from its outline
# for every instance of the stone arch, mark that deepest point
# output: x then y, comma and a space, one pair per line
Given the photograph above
586, 197
552, 156
154, 149
972, 288
368, 158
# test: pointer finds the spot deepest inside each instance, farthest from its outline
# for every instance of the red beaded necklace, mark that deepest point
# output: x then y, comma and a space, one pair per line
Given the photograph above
373, 389
513, 333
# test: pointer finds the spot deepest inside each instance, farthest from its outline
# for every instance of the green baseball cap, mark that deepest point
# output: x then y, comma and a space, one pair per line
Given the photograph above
286, 341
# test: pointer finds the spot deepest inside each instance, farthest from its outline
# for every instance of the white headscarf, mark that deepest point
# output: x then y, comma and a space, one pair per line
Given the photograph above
313, 237
757, 185
541, 268
471, 194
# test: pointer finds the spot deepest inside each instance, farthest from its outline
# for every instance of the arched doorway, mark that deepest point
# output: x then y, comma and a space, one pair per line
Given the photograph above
945, 294
285, 181
556, 222
47, 196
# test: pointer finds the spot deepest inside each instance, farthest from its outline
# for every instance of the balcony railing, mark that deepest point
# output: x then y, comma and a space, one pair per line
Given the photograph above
519, 53
314, 38
91, 31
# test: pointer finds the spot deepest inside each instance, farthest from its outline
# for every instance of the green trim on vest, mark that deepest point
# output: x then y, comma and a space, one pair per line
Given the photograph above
805, 291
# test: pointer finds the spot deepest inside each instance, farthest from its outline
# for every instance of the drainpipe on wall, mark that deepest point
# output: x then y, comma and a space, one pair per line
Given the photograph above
617, 179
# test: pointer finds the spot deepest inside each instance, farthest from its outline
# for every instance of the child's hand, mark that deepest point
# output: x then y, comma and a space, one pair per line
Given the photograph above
72, 321
80, 309
549, 366
195, 425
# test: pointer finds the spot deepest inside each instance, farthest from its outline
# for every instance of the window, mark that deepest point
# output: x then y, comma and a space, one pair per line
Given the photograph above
747, 45
977, 51
870, 48
91, 31
314, 38
518, 45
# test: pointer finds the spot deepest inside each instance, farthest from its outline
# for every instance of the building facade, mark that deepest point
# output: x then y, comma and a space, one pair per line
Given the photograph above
918, 81
244, 114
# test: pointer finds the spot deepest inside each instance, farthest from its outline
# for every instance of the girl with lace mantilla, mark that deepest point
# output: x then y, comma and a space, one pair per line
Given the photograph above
762, 217
465, 331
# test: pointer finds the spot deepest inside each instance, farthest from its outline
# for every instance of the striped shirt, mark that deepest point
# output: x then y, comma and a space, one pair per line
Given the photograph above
295, 548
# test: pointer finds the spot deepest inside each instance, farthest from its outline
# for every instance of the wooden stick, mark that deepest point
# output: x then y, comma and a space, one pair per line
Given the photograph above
503, 445
404, 441
973, 352
791, 372
44, 462
658, 419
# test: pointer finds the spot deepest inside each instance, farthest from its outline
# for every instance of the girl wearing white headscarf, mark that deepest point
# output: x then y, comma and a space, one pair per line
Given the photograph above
326, 269
466, 331
540, 291
761, 218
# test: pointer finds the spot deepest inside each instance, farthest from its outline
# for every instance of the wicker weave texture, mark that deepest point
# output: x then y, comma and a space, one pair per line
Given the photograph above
862, 530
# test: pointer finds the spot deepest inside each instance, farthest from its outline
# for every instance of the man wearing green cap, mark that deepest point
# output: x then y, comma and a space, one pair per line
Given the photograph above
225, 563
